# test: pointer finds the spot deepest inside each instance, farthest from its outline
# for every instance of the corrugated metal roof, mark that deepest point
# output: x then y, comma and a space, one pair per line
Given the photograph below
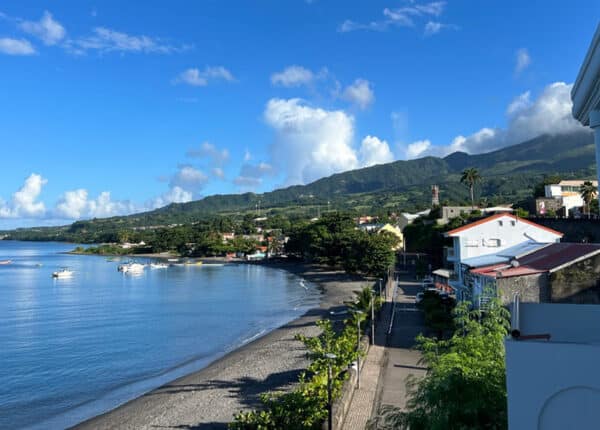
547, 259
505, 255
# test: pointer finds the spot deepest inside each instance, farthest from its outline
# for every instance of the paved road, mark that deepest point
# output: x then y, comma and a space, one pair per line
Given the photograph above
399, 360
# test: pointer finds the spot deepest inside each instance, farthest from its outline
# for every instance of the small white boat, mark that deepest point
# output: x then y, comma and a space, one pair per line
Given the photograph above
159, 266
62, 273
131, 268
3, 262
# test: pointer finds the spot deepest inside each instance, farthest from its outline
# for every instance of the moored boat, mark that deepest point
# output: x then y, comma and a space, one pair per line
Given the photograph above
4, 262
131, 268
158, 266
62, 273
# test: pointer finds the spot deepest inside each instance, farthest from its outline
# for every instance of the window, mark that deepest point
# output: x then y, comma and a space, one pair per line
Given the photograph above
500, 223
472, 242
513, 223
492, 243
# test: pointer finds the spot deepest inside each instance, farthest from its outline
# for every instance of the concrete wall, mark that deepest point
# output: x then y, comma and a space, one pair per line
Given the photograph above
531, 288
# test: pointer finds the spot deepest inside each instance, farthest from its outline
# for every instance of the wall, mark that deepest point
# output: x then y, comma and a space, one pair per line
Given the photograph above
552, 386
531, 288
575, 230
577, 283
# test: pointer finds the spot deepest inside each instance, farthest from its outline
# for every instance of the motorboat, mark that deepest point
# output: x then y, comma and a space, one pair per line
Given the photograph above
159, 265
4, 262
131, 268
62, 273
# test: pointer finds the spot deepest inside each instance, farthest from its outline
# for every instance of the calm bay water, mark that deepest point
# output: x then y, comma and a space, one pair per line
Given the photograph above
73, 348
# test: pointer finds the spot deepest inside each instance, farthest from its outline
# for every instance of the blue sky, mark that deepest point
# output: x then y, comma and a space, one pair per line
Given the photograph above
112, 107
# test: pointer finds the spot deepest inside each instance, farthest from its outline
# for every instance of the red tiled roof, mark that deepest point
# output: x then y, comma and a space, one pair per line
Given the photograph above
494, 217
543, 260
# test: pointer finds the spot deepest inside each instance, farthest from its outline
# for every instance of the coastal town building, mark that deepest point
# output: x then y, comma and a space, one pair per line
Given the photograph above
558, 272
551, 366
563, 198
497, 239
407, 218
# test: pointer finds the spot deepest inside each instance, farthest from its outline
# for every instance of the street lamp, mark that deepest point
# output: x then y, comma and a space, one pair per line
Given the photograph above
372, 317
329, 357
358, 313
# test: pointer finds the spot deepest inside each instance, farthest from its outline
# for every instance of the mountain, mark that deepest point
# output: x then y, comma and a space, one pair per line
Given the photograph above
509, 174
506, 172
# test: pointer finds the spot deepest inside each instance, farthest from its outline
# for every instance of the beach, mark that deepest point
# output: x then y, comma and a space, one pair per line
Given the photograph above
209, 398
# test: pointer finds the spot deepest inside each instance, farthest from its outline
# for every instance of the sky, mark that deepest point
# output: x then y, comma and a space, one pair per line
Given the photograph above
109, 108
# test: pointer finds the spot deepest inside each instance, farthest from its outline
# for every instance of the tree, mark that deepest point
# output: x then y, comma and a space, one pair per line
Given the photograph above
465, 383
470, 177
588, 191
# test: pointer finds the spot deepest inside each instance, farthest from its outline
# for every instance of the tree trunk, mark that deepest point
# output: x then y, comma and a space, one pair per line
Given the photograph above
472, 198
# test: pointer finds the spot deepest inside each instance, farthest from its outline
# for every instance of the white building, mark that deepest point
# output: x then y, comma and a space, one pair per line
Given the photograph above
553, 383
495, 239
566, 193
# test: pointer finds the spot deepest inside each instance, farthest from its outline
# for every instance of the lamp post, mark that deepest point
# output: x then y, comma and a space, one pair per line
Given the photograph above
358, 313
329, 357
372, 317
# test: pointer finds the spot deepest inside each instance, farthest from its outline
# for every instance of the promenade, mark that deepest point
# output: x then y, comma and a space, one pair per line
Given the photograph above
391, 360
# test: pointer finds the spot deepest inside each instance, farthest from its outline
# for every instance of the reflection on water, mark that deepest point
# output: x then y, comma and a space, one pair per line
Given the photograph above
75, 347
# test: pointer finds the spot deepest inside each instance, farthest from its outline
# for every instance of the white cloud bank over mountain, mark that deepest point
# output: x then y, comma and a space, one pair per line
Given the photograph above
549, 113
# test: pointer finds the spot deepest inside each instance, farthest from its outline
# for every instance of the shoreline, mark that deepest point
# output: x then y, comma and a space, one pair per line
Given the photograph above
209, 397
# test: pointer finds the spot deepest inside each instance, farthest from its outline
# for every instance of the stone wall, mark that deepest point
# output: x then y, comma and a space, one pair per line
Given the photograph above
578, 283
531, 288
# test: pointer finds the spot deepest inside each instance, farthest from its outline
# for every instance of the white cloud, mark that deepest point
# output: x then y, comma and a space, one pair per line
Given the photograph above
106, 40
188, 178
174, 195
404, 16
434, 27
415, 149
374, 151
550, 113
293, 76
251, 175
24, 202
16, 46
218, 172
76, 205
47, 29
519, 103
523, 60
310, 142
198, 78
208, 150
359, 93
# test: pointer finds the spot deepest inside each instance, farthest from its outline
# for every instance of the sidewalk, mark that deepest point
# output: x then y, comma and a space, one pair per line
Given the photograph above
389, 361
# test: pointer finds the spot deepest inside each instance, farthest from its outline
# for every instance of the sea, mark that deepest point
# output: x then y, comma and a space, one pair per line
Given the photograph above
73, 348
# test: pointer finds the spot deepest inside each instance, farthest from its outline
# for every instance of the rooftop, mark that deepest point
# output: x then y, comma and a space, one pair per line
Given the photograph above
463, 228
549, 258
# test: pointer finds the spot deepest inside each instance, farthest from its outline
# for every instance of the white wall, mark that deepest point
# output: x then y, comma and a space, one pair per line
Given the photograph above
477, 241
552, 386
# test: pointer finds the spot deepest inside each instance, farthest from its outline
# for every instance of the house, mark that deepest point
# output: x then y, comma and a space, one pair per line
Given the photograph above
552, 377
228, 236
563, 198
393, 230
496, 239
406, 218
557, 272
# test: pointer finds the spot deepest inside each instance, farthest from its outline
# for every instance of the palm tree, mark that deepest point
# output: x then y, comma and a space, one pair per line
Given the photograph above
588, 191
470, 177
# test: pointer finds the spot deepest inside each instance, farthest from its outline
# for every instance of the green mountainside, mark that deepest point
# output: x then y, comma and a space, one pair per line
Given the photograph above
509, 175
